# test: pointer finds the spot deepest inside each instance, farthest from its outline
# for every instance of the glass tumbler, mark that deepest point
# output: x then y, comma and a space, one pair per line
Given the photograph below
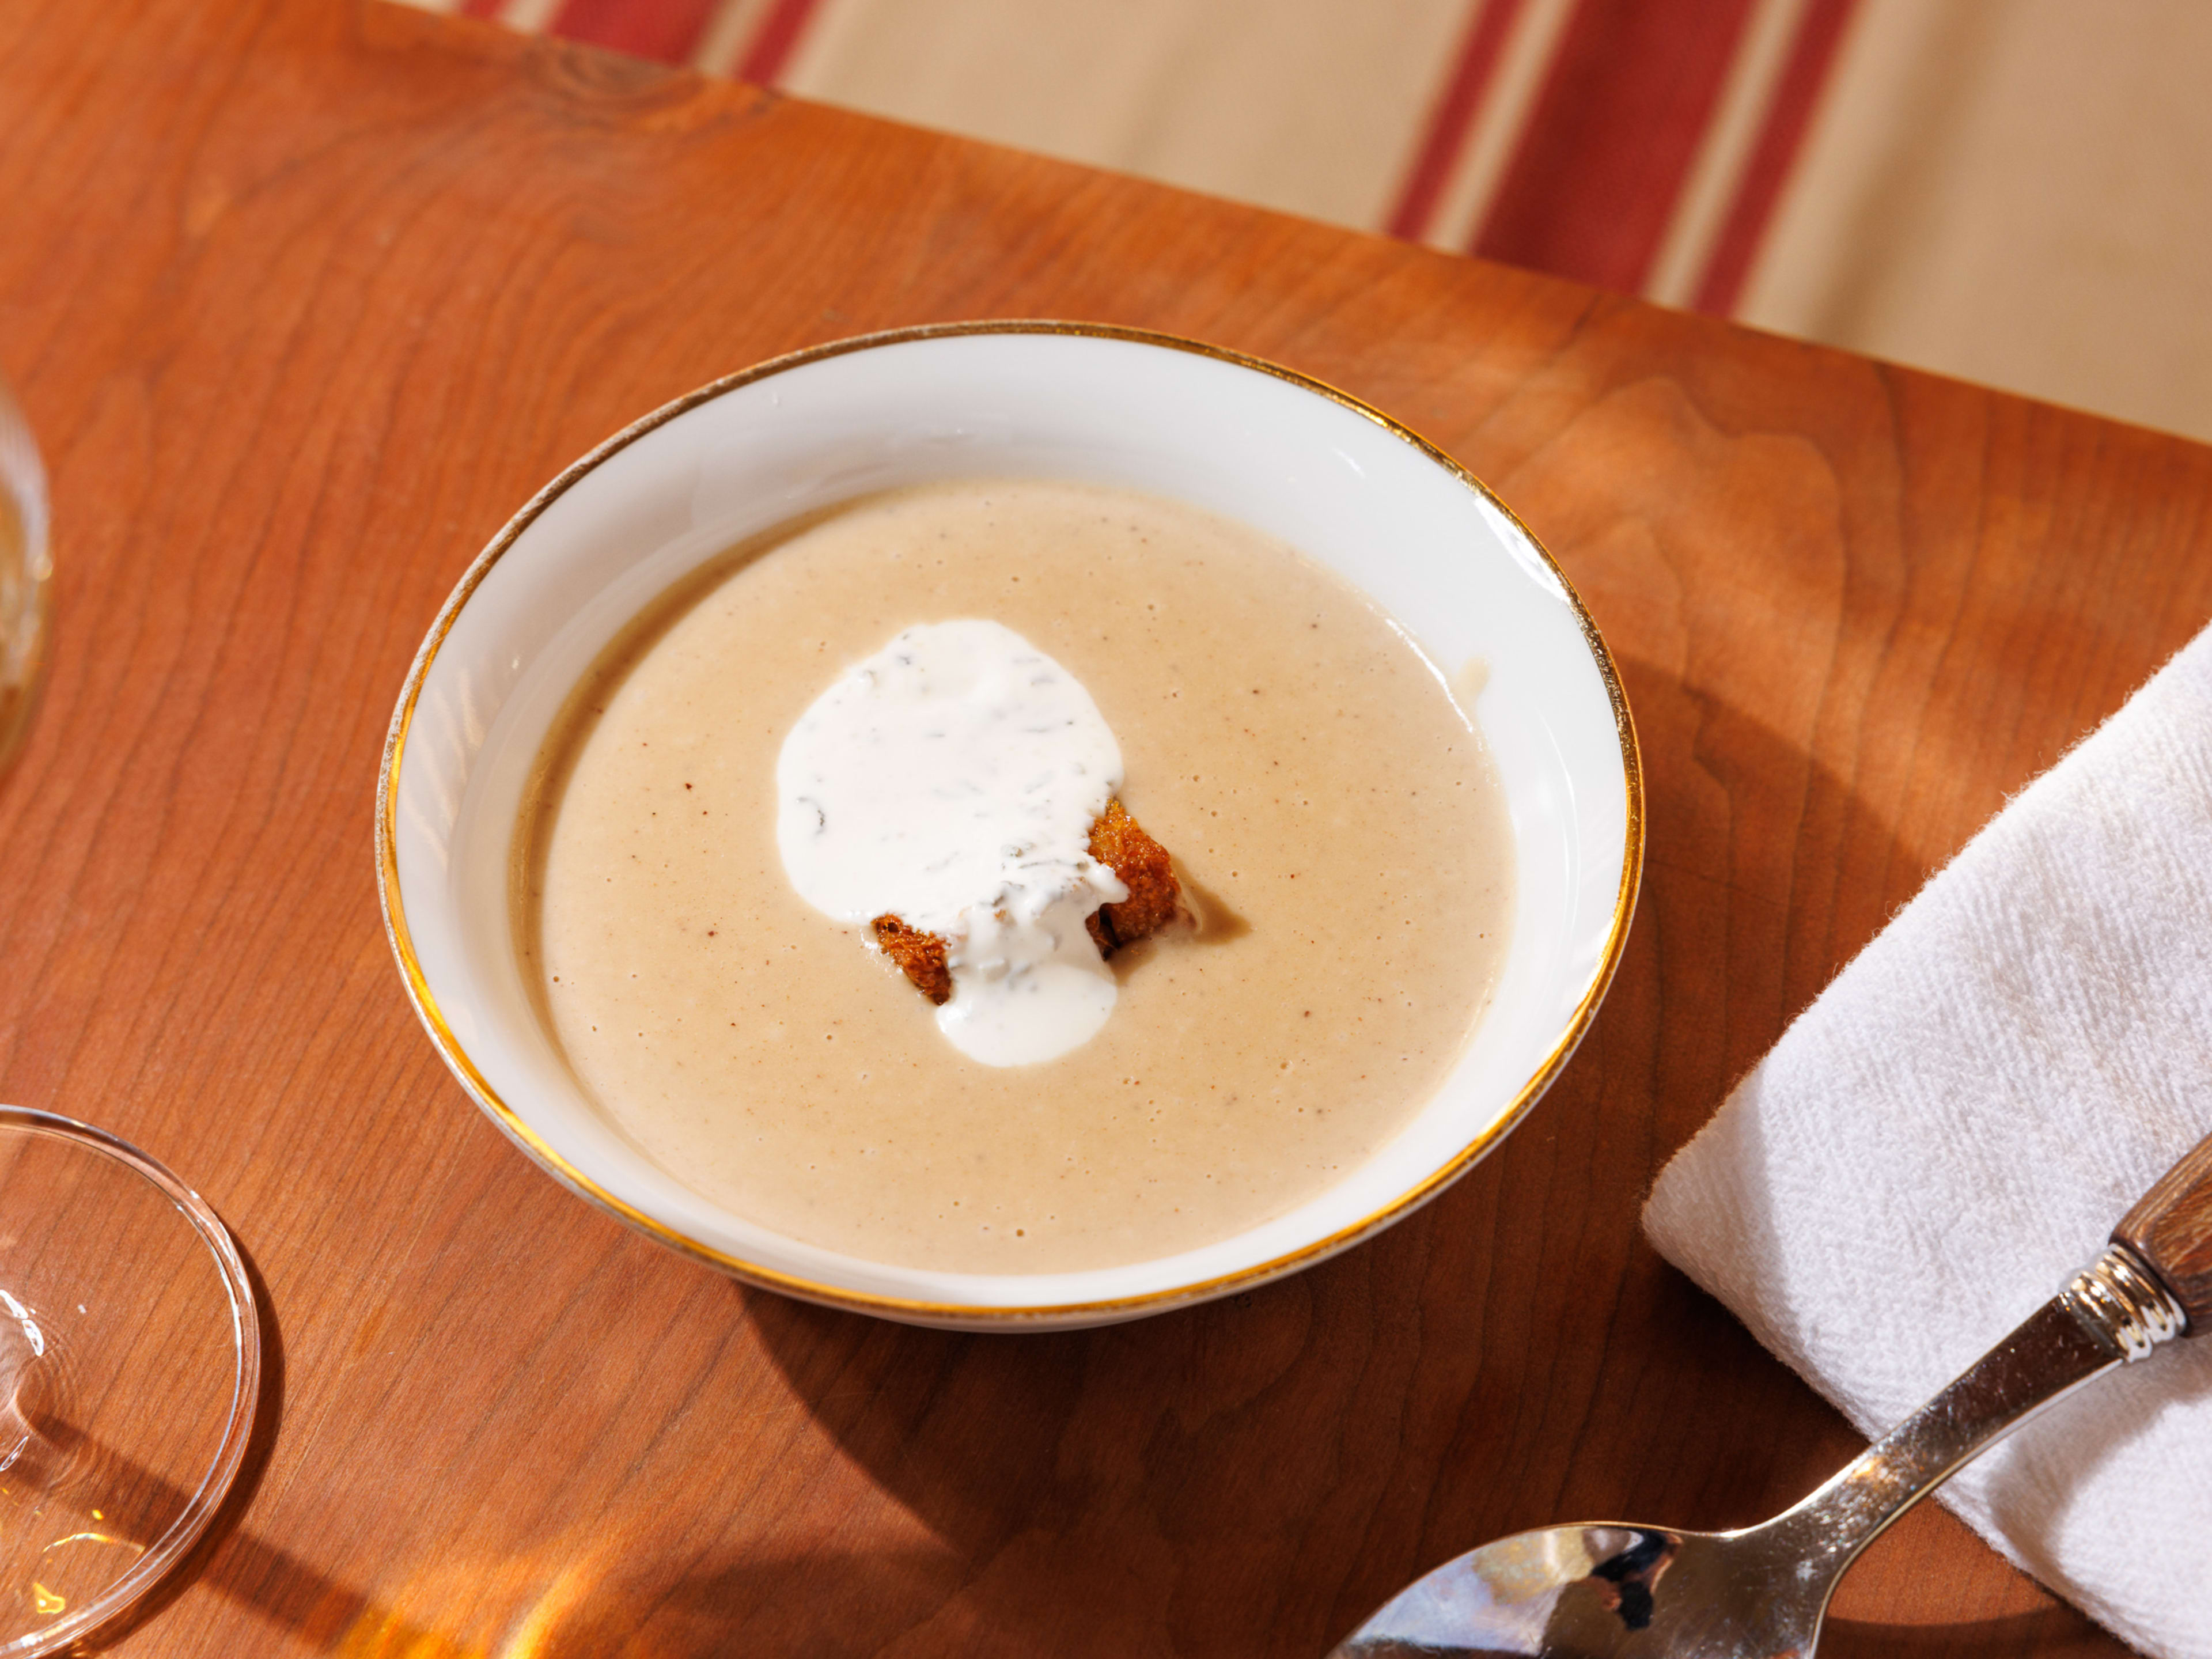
129, 1373
25, 572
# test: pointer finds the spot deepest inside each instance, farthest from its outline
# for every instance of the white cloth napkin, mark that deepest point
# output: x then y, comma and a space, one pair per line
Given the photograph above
1955, 1126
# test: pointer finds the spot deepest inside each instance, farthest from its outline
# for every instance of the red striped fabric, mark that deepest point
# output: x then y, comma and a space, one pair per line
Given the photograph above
670, 31
772, 43
1594, 180
1593, 177
666, 31
1453, 116
1768, 171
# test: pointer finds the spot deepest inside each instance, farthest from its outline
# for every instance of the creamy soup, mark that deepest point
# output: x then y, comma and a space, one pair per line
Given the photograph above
1332, 812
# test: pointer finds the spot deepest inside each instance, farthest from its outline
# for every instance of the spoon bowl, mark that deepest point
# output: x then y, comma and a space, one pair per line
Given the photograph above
1592, 1590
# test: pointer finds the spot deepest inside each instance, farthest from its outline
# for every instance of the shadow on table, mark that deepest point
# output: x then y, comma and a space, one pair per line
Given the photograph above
261, 1440
2050, 1632
1251, 1477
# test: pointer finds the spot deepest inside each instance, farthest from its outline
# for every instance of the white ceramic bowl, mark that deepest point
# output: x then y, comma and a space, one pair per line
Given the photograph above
1296, 458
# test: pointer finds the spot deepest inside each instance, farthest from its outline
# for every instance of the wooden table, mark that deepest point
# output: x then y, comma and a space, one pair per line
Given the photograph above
304, 300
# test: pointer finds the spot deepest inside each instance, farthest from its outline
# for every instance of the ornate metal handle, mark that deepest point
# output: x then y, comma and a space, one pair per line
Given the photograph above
2170, 1231
2152, 1285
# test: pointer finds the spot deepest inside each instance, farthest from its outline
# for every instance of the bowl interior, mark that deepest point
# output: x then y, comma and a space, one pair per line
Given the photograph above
1454, 570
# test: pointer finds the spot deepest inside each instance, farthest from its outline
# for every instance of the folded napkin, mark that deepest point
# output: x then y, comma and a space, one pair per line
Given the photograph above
1956, 1125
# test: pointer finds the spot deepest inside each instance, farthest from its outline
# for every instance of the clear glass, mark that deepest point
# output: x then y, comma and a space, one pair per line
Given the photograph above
130, 1370
26, 573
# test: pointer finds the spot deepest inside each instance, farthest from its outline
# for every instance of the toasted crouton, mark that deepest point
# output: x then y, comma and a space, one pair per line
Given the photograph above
920, 955
1116, 842
1155, 896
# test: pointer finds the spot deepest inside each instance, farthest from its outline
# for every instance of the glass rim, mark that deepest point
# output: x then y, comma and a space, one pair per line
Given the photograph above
182, 1533
26, 626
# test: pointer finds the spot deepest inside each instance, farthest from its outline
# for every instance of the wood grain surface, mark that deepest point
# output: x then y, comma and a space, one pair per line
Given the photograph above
304, 300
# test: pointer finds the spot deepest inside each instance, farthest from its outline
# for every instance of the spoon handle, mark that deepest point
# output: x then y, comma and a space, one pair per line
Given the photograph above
2171, 1229
2153, 1284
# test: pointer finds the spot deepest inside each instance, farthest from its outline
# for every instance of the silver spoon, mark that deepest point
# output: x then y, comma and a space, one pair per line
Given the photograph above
1609, 1588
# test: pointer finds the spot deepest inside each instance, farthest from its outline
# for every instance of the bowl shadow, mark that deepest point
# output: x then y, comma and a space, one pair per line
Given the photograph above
1251, 1477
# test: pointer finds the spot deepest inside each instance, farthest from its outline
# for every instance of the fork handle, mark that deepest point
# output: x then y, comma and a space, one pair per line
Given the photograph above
2170, 1229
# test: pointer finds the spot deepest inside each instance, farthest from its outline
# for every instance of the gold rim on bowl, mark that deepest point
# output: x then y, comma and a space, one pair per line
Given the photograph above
487, 1098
